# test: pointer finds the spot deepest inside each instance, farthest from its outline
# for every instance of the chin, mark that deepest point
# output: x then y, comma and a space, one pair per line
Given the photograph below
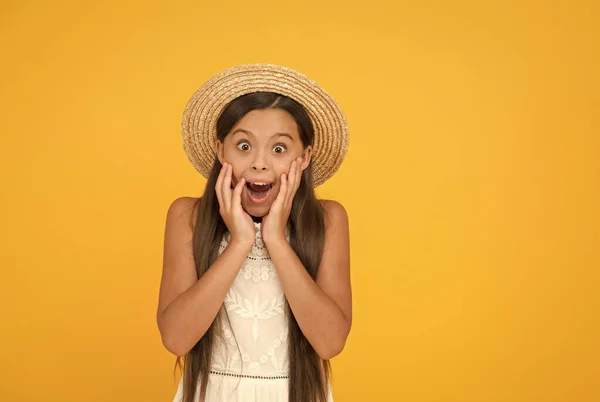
257, 211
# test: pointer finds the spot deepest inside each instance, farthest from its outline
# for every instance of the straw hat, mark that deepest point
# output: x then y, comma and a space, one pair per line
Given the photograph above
206, 104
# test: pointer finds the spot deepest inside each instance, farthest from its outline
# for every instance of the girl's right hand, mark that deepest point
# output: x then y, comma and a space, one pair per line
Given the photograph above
239, 223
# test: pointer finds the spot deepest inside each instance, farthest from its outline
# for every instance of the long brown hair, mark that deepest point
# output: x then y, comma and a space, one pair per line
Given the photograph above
309, 374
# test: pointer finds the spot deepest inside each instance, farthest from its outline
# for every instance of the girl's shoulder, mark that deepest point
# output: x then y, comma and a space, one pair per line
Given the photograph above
334, 211
184, 209
332, 205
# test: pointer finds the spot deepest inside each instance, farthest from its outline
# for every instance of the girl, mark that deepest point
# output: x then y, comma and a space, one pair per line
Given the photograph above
255, 291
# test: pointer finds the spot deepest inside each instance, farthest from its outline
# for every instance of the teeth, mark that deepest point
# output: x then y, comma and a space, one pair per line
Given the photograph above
260, 183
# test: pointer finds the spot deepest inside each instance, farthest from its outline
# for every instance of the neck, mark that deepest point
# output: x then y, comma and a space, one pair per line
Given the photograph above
257, 219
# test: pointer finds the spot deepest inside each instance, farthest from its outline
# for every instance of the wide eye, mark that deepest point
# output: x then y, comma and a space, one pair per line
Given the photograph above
243, 146
278, 149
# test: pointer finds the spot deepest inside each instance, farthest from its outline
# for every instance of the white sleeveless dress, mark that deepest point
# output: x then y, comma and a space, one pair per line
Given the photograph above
251, 364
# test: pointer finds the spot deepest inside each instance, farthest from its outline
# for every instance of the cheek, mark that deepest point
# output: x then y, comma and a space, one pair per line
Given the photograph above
283, 165
238, 173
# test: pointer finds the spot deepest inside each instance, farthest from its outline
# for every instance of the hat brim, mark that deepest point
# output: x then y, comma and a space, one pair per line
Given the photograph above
206, 104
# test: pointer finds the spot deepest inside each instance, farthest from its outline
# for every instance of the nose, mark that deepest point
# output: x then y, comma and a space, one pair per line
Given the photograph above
259, 164
259, 167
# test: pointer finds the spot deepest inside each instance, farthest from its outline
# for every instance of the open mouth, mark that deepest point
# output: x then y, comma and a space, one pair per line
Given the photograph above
259, 191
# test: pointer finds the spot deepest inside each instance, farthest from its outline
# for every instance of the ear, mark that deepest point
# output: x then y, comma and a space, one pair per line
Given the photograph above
219, 146
306, 157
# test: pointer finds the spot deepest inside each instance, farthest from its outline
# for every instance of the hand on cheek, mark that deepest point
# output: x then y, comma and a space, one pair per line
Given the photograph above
238, 222
275, 222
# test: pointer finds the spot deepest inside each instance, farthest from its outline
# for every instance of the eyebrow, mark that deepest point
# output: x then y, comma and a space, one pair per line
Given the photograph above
277, 135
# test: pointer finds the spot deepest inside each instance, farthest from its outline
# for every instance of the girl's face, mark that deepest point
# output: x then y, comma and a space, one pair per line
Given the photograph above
260, 147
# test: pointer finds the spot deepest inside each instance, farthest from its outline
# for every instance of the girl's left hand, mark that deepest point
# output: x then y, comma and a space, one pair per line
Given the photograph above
275, 222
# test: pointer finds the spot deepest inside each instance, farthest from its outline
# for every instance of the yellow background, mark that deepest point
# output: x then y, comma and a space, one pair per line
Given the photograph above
472, 184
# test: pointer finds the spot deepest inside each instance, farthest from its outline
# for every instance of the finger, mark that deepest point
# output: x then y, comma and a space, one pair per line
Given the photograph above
226, 187
298, 176
237, 193
292, 183
219, 184
282, 190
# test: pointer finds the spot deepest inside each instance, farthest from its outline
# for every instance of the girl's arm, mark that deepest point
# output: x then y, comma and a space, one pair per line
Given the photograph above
323, 309
188, 305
